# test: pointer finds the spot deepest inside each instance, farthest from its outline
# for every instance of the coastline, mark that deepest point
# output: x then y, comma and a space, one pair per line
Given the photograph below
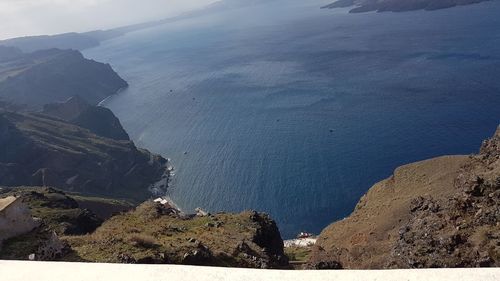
119, 91
161, 187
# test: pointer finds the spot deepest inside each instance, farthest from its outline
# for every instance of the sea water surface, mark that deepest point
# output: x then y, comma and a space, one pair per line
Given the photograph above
296, 111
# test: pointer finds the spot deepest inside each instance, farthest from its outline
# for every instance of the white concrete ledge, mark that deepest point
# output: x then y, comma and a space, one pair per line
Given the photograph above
50, 271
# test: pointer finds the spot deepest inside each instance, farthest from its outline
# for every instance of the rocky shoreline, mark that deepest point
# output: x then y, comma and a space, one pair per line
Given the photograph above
82, 149
64, 157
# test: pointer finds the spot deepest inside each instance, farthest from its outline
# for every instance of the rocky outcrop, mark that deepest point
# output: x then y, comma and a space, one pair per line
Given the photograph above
462, 230
362, 6
57, 211
51, 249
48, 76
442, 212
56, 214
99, 120
37, 150
153, 234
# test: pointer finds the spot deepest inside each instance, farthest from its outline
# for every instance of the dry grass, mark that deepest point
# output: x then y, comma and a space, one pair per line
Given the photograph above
142, 240
298, 254
143, 233
368, 233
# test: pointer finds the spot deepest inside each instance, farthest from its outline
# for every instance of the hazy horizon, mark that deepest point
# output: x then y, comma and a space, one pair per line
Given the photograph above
48, 17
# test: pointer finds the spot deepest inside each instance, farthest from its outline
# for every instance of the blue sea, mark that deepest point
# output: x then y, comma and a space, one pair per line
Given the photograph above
296, 111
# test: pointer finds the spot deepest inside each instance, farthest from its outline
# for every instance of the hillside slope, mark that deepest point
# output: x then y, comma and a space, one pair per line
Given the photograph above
150, 233
71, 40
57, 212
154, 233
47, 76
442, 212
37, 150
99, 120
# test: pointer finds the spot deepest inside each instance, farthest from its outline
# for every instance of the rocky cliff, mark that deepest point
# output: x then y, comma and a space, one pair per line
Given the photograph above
47, 76
156, 233
37, 150
443, 212
57, 214
150, 233
361, 6
99, 120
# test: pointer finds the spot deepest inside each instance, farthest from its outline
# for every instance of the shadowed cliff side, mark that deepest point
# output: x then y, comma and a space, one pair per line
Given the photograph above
442, 212
37, 150
99, 120
35, 79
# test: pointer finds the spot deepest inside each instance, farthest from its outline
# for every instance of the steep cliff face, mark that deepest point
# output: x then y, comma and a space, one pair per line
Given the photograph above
37, 150
443, 212
154, 233
42, 77
99, 120
362, 6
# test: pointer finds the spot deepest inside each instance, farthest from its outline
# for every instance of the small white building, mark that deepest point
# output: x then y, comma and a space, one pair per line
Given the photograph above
162, 201
15, 218
168, 206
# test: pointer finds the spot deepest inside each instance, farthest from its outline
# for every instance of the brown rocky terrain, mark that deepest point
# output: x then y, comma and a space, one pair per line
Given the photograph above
155, 233
37, 150
59, 214
443, 212
150, 233
361, 6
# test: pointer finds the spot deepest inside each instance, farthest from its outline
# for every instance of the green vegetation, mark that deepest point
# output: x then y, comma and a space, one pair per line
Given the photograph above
298, 254
149, 235
58, 211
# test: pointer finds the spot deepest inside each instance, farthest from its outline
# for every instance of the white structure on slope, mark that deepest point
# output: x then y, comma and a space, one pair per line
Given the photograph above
15, 218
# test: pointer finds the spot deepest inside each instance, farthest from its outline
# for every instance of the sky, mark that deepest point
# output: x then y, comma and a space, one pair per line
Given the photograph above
37, 17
